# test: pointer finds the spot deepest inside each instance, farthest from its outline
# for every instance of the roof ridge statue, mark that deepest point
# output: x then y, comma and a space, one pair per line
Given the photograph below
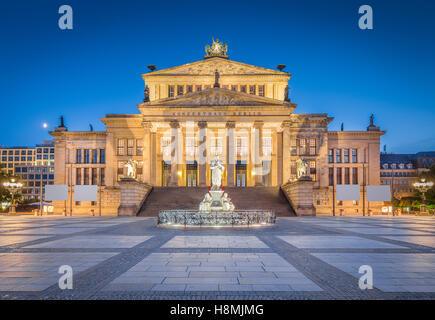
217, 49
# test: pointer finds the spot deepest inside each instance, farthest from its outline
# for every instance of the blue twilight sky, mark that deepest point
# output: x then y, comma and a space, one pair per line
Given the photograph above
337, 68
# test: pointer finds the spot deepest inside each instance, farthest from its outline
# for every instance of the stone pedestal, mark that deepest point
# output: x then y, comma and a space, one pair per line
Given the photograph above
216, 195
300, 195
133, 195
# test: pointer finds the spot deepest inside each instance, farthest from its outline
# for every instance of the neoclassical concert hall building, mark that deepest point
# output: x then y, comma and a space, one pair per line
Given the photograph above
211, 108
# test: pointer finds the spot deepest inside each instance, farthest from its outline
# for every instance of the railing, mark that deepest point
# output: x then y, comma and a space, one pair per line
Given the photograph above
230, 218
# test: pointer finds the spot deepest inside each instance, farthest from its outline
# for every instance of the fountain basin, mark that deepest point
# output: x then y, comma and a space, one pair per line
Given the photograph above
236, 218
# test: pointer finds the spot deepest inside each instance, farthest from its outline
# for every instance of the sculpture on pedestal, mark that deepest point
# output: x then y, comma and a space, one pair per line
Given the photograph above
217, 169
301, 168
131, 166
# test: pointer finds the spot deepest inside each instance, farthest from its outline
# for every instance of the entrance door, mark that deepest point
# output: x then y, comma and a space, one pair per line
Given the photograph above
267, 175
191, 174
241, 174
166, 173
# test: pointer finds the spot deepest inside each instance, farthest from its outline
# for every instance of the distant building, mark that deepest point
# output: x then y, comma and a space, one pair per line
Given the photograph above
402, 170
34, 167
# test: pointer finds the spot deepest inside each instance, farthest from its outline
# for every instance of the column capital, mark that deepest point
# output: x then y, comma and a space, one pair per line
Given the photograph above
202, 124
230, 124
285, 124
174, 124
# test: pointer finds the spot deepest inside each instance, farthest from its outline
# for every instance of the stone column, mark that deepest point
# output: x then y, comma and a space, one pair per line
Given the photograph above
286, 151
258, 152
202, 161
231, 162
279, 155
153, 156
146, 153
174, 153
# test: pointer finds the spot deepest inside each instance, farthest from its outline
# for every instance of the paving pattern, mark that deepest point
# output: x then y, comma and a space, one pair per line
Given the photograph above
299, 258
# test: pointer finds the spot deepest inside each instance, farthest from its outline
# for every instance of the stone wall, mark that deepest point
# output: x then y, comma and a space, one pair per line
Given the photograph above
300, 195
133, 195
110, 199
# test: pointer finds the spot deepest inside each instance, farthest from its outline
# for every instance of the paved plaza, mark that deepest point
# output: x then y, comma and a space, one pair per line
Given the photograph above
298, 258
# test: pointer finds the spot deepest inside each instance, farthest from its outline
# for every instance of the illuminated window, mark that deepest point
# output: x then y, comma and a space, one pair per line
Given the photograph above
241, 146
267, 146
302, 146
234, 87
243, 89
338, 155
312, 146
216, 146
191, 146
312, 164
198, 88
165, 146
189, 88
252, 90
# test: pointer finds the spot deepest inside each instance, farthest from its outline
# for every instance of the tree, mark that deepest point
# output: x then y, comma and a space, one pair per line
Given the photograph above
430, 194
5, 196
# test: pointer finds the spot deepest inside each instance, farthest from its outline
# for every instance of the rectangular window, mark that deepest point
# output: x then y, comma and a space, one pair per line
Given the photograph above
102, 155
121, 147
102, 177
252, 90
120, 169
312, 146
94, 156
171, 91
337, 155
79, 156
130, 147
354, 175
198, 88
139, 147
346, 155
86, 176
243, 89
180, 90
302, 147
330, 155
165, 146
312, 164
242, 146
191, 146
339, 180
189, 88
261, 91
354, 156
87, 155
267, 146
346, 175
94, 176
216, 146
331, 176
78, 176
234, 88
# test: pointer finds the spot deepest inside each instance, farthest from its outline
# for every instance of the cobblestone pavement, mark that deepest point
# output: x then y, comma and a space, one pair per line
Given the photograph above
298, 258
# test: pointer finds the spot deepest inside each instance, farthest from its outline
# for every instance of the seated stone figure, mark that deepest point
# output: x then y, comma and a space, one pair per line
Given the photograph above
205, 205
227, 205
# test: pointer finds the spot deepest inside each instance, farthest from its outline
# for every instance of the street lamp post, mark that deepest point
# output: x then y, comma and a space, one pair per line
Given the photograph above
423, 186
13, 187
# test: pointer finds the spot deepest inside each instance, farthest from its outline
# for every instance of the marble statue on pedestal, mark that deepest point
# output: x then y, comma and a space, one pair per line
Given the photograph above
216, 200
301, 168
131, 168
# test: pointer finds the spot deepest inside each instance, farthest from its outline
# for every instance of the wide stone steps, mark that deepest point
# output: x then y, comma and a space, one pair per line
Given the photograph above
263, 198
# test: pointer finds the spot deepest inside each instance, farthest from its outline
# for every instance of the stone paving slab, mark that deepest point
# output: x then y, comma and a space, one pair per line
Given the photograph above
99, 241
335, 242
215, 242
299, 258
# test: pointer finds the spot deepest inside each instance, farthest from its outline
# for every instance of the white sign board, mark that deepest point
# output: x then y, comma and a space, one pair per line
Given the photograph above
56, 192
85, 193
346, 192
378, 193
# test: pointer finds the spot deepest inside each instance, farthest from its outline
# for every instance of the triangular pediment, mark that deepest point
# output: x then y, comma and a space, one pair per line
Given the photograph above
209, 66
217, 97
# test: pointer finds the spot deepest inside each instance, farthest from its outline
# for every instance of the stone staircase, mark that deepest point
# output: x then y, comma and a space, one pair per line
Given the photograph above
169, 198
